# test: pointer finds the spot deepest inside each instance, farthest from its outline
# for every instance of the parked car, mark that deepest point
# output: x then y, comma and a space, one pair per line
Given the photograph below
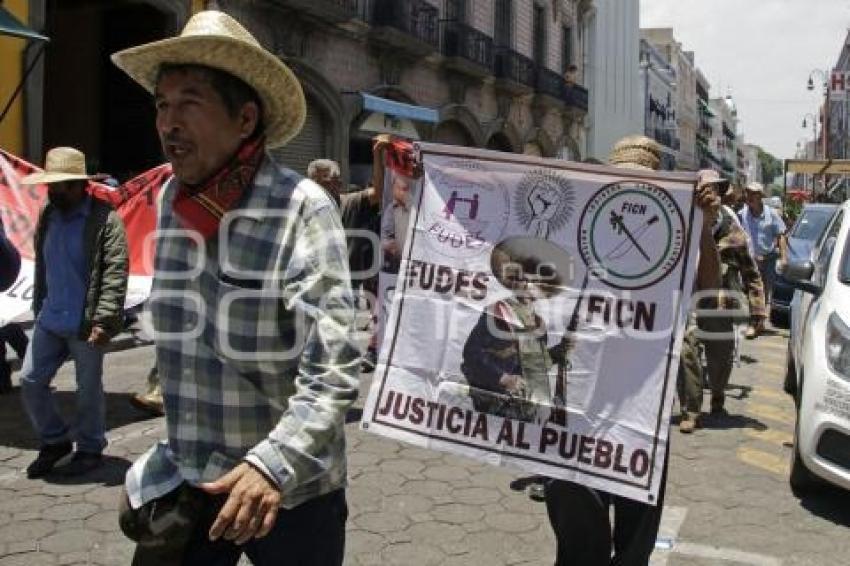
808, 228
818, 368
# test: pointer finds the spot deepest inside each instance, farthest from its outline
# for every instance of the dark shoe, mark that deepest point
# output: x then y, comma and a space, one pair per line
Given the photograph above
47, 458
82, 463
370, 360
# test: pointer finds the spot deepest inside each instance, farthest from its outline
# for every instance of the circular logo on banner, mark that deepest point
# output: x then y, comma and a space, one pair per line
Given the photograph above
471, 209
544, 202
631, 234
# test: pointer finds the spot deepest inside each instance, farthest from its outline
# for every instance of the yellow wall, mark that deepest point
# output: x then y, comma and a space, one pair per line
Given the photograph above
11, 70
198, 5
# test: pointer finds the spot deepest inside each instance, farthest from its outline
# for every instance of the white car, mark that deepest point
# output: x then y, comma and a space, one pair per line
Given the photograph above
819, 360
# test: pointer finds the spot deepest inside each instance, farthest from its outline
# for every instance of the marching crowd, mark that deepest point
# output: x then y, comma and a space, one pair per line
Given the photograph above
254, 460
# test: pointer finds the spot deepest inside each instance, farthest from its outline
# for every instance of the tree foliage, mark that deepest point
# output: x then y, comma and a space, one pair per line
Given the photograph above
771, 168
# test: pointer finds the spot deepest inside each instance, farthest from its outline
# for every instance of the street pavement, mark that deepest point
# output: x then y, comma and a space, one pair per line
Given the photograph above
727, 501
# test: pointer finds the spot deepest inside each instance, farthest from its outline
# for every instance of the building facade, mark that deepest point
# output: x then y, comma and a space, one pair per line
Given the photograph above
481, 73
613, 74
687, 118
660, 102
724, 136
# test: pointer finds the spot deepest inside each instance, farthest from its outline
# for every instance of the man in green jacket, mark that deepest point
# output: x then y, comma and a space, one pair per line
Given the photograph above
81, 272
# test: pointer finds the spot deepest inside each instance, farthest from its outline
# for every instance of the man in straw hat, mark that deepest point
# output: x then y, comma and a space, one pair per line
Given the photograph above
252, 307
579, 515
80, 284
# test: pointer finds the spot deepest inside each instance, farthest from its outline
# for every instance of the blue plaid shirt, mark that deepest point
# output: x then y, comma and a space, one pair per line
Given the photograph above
253, 334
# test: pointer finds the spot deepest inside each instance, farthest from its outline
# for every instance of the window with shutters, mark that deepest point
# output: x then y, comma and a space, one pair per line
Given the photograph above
566, 48
502, 32
539, 31
456, 11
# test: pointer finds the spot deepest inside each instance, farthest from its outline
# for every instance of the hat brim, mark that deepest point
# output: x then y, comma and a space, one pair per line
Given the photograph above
45, 178
284, 106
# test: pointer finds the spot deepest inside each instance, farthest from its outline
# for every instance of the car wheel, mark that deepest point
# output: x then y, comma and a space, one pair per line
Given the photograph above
801, 479
790, 385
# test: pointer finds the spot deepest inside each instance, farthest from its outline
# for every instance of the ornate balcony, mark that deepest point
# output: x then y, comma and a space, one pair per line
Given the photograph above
467, 49
552, 84
577, 98
335, 11
409, 25
514, 72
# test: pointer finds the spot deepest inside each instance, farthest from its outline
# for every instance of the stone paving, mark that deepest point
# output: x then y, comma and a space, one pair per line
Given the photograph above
727, 500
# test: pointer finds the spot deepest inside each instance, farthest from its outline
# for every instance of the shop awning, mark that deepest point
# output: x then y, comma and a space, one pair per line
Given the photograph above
818, 166
374, 103
9, 25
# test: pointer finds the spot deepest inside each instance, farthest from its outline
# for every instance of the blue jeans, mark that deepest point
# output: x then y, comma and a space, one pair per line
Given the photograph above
767, 269
45, 355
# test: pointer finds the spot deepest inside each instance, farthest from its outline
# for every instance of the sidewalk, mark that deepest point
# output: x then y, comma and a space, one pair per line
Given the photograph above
407, 506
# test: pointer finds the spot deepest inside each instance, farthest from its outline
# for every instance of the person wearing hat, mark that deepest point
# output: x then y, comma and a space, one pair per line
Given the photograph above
506, 359
766, 230
579, 515
714, 328
81, 270
253, 311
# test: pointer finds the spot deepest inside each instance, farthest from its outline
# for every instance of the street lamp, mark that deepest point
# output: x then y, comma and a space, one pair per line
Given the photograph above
824, 76
814, 129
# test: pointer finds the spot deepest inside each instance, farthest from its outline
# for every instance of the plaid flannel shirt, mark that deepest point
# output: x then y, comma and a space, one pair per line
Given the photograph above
253, 341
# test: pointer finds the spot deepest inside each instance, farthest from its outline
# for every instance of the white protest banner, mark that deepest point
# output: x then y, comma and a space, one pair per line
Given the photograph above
538, 315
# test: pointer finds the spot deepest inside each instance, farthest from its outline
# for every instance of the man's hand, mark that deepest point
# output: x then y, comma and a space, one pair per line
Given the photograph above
98, 337
251, 508
708, 201
512, 383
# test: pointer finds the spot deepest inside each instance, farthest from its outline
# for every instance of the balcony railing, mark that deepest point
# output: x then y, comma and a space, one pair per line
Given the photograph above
461, 40
551, 83
333, 10
576, 96
416, 18
515, 67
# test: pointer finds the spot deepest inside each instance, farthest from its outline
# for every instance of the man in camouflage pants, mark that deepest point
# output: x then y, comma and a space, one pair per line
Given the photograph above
739, 275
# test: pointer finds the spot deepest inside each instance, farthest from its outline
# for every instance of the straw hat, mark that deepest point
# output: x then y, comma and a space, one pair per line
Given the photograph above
712, 177
60, 164
214, 39
755, 188
636, 152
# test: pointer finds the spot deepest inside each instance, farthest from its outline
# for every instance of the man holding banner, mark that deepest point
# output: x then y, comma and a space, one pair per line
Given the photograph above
80, 285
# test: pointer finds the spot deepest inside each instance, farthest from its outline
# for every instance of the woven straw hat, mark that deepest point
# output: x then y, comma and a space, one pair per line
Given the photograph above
214, 39
636, 152
60, 164
755, 187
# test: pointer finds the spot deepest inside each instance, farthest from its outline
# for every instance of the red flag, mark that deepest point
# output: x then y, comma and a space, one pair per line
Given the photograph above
135, 202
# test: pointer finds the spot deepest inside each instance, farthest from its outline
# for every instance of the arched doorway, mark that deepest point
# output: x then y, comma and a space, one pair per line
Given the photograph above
452, 132
500, 142
88, 102
310, 143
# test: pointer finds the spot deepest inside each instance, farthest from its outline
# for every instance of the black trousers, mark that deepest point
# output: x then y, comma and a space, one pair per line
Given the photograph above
579, 516
311, 534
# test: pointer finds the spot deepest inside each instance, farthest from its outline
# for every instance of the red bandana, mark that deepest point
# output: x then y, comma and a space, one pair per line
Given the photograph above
201, 207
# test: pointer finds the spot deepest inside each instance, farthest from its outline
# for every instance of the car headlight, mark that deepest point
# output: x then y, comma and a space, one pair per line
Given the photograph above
838, 346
